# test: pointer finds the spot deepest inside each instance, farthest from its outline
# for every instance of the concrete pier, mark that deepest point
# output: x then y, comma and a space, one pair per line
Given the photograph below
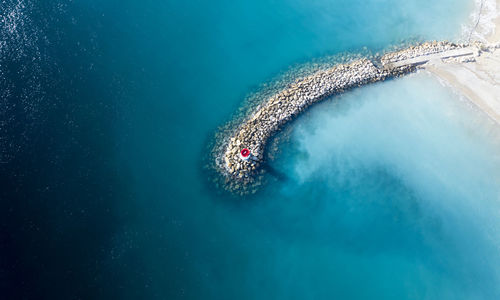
420, 60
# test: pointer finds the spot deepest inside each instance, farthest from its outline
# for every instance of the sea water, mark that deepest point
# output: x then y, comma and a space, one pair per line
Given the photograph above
108, 107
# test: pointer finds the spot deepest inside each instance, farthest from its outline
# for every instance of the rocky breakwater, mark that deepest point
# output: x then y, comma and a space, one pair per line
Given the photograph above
251, 135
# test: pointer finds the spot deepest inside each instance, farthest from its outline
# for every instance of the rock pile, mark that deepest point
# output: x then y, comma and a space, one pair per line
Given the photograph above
268, 117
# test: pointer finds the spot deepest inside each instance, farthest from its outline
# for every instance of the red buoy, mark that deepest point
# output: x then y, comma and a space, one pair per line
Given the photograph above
245, 153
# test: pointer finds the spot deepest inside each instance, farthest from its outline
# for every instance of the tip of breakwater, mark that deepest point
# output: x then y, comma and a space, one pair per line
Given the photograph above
239, 153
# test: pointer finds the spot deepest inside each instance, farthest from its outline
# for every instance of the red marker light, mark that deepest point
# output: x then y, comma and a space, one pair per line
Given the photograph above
245, 153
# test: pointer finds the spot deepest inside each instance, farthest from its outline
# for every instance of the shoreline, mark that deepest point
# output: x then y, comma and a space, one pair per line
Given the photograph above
478, 80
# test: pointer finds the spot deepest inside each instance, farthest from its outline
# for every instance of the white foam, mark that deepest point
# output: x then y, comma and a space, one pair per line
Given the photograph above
481, 22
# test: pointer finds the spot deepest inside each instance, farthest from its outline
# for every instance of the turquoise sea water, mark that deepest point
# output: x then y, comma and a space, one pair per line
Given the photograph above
388, 192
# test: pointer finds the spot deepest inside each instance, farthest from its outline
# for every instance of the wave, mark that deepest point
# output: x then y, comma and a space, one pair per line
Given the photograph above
481, 22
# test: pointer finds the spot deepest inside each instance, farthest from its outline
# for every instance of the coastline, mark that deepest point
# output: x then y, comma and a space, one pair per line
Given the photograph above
477, 80
495, 35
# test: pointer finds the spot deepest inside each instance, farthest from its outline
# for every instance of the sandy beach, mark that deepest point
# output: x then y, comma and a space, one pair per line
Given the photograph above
478, 80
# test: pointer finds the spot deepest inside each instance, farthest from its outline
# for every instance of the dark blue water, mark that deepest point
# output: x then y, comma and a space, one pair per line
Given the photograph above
107, 109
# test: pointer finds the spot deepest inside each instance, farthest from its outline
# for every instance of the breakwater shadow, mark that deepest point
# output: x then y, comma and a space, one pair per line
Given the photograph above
280, 176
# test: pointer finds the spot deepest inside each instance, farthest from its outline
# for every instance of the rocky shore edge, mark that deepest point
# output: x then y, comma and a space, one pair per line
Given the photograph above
240, 154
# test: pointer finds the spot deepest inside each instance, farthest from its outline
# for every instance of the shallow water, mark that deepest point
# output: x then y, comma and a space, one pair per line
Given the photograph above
389, 191
400, 190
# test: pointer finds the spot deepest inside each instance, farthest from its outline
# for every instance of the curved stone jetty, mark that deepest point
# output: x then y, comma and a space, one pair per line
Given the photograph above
269, 116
